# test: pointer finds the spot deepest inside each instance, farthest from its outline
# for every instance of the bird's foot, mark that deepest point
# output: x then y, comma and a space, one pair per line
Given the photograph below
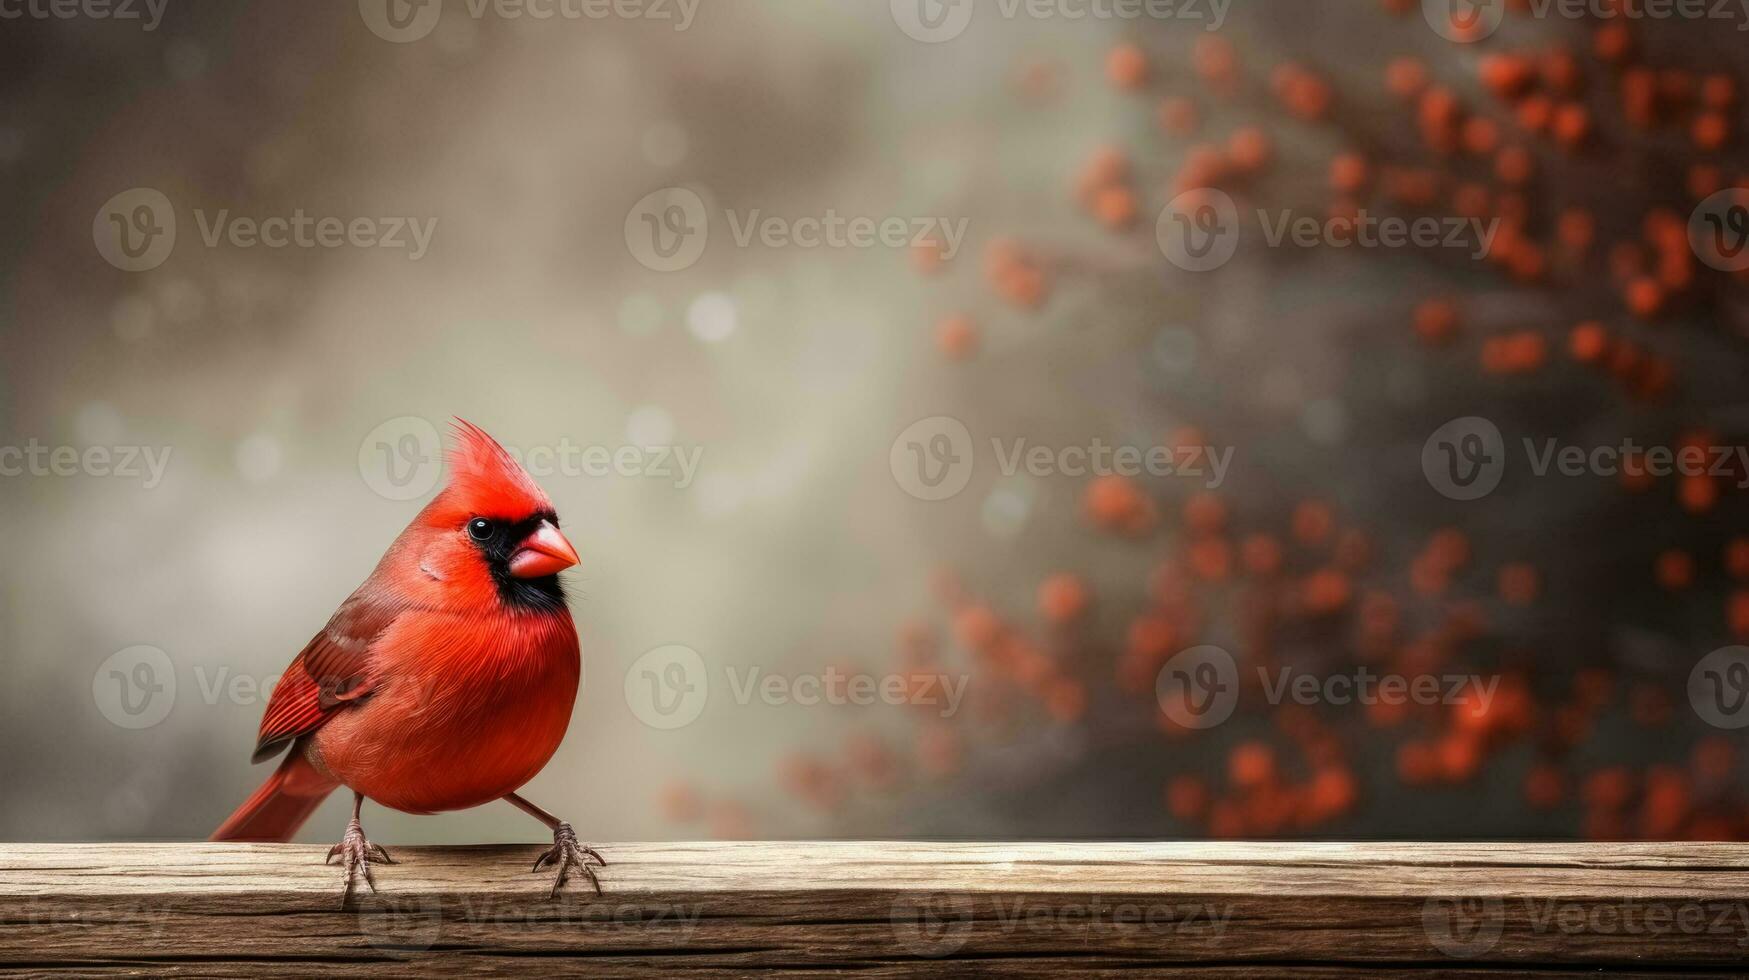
357, 854
566, 854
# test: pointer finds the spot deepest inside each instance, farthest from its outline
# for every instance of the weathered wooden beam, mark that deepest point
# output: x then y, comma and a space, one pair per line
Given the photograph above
1228, 909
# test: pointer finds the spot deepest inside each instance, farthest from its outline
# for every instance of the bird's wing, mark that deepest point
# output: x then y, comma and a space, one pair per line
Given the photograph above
329, 673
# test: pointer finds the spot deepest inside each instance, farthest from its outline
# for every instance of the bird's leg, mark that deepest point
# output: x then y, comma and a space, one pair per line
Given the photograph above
566, 853
357, 853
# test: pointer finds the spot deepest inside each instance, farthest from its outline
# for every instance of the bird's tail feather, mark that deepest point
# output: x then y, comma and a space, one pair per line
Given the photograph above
281, 805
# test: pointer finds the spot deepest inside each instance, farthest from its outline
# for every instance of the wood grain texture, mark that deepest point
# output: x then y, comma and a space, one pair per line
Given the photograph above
885, 908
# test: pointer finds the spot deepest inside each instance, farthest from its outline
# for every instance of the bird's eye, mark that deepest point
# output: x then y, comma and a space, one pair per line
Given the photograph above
479, 529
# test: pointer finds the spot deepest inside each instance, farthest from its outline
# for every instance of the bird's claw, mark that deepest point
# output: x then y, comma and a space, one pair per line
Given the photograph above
566, 854
357, 854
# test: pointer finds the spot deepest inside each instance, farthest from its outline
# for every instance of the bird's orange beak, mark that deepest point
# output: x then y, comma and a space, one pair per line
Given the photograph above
545, 552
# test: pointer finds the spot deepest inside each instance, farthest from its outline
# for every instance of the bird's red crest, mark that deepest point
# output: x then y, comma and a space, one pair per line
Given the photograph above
485, 480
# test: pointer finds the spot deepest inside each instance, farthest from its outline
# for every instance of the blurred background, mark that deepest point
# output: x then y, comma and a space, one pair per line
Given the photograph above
778, 299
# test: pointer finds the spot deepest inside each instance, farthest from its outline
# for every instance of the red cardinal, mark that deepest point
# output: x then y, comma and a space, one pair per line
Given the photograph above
446, 681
